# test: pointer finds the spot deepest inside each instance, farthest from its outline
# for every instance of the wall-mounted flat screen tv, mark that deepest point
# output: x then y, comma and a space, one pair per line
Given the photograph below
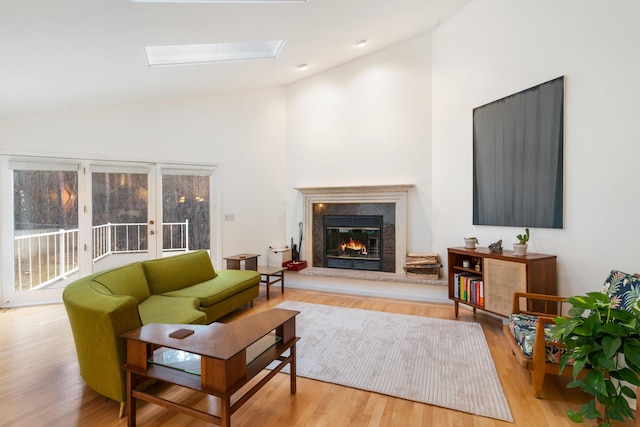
518, 158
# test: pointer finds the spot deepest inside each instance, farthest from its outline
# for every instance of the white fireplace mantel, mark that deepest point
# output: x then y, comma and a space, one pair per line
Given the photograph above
397, 194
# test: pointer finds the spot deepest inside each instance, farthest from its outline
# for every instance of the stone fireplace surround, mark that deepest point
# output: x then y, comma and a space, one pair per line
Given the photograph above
396, 194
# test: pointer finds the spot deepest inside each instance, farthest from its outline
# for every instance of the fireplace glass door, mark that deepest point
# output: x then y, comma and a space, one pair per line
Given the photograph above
353, 242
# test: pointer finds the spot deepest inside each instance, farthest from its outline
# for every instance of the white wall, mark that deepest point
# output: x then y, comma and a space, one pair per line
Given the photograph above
494, 48
243, 133
367, 122
403, 116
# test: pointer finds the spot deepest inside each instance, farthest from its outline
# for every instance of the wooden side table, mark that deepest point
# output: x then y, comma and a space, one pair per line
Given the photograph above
228, 360
272, 275
250, 261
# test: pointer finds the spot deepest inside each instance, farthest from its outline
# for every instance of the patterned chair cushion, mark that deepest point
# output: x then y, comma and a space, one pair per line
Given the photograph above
523, 329
623, 289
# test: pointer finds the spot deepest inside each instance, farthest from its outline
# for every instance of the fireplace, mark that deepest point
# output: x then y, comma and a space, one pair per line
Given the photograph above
389, 201
353, 242
354, 236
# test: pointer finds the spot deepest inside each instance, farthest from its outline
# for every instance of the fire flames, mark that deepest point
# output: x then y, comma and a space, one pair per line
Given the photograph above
353, 245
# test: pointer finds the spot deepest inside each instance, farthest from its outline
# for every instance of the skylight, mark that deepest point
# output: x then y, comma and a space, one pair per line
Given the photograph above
214, 52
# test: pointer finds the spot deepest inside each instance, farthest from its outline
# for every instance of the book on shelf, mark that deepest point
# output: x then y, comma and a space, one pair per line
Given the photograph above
468, 287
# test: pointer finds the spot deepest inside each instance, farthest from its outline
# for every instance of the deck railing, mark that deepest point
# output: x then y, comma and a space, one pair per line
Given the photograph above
40, 259
175, 236
43, 258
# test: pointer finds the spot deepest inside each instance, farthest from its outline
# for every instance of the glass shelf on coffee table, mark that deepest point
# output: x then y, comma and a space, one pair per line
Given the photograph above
190, 363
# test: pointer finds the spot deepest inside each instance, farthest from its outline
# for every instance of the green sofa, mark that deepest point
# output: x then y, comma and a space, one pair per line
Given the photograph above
178, 289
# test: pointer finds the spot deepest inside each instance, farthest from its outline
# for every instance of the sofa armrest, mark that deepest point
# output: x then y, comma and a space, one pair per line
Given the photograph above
97, 321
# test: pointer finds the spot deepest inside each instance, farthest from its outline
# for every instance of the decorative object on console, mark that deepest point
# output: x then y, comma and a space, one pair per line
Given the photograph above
496, 247
521, 247
470, 242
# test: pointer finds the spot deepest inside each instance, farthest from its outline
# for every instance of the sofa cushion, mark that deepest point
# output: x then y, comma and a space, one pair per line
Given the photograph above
623, 289
523, 329
177, 272
128, 280
161, 309
225, 284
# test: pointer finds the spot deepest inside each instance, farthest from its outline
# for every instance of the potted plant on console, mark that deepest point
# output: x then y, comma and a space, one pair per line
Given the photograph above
521, 247
470, 242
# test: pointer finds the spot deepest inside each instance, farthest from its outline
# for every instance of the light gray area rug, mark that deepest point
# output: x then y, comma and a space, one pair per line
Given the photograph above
435, 361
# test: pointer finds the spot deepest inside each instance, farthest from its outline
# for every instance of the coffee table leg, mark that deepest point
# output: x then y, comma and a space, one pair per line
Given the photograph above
292, 366
131, 402
282, 281
225, 416
268, 285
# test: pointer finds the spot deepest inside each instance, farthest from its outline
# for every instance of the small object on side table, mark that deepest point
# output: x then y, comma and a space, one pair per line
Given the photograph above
181, 333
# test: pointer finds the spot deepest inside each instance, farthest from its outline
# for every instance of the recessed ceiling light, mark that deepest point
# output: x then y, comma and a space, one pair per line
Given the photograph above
302, 67
214, 52
361, 43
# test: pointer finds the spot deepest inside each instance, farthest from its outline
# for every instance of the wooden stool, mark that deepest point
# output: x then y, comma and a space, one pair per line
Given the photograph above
272, 275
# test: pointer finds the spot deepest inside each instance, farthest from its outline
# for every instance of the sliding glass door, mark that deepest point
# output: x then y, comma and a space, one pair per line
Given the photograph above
43, 231
144, 212
186, 209
121, 228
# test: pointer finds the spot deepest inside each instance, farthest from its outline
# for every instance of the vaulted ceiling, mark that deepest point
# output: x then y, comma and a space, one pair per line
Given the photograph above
80, 53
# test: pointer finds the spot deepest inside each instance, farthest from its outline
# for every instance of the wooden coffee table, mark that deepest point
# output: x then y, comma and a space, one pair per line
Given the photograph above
231, 354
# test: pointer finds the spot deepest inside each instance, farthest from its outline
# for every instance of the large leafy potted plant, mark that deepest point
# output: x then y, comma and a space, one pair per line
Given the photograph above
601, 335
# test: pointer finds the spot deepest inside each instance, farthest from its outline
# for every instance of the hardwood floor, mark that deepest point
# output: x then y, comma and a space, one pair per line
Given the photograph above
40, 382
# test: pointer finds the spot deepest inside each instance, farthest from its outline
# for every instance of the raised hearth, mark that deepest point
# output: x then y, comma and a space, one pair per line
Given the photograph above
373, 276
